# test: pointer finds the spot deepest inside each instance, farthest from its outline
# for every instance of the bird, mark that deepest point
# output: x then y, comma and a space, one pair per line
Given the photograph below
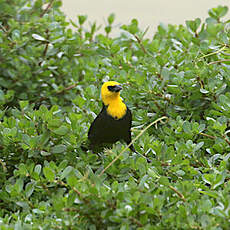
114, 121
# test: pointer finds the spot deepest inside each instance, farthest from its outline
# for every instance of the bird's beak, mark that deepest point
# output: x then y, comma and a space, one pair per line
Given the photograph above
117, 88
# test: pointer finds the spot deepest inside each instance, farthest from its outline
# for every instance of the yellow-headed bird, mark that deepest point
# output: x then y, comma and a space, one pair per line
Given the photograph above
114, 121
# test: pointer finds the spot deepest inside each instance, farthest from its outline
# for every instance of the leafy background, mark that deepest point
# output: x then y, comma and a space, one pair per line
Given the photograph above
50, 83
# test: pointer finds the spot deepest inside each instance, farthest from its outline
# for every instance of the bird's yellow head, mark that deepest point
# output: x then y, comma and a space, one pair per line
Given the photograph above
110, 94
110, 90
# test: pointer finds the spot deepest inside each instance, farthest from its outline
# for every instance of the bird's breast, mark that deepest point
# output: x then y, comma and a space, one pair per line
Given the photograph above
117, 109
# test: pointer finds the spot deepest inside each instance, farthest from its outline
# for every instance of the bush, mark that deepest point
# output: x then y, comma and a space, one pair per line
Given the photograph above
50, 81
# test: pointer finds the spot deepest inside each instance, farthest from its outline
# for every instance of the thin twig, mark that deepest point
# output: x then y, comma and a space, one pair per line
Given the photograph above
6, 32
46, 48
70, 209
199, 163
3, 165
47, 43
132, 142
210, 54
219, 61
4, 29
140, 43
178, 193
212, 137
206, 135
47, 8
157, 105
65, 185
76, 191
225, 138
59, 92
165, 164
67, 88
135, 221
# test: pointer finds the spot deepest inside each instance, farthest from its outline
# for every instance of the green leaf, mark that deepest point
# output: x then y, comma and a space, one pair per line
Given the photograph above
225, 101
54, 123
58, 149
44, 138
72, 181
198, 146
164, 181
44, 153
218, 12
62, 130
38, 37
82, 19
219, 180
111, 19
29, 189
204, 91
187, 127
23, 104
66, 172
37, 169
49, 173
201, 128
108, 29
210, 193
19, 185
153, 173
193, 25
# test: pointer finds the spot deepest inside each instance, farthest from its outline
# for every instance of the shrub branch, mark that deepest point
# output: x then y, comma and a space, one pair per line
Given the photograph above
206, 135
177, 192
140, 134
140, 43
219, 61
47, 8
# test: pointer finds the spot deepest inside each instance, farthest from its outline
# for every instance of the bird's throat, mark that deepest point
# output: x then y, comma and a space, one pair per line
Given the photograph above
116, 108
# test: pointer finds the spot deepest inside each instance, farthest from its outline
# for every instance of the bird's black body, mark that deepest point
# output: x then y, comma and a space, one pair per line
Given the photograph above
114, 121
107, 130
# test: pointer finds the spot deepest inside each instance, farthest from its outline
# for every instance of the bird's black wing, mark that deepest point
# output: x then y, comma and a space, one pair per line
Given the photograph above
95, 133
127, 131
102, 132
105, 129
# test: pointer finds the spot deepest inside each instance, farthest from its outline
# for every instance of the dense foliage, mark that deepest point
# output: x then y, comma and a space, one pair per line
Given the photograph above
50, 79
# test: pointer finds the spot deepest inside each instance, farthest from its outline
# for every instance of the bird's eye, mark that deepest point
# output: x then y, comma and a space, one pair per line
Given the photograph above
111, 88
114, 88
